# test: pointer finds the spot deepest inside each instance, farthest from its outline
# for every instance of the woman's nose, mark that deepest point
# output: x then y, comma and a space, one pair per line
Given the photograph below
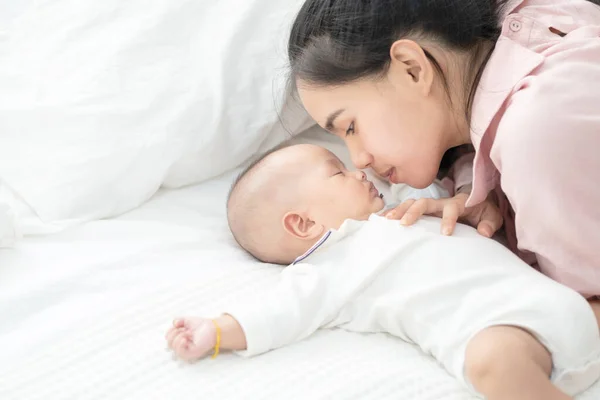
361, 159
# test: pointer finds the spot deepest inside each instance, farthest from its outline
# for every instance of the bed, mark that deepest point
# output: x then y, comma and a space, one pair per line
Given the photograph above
84, 314
122, 125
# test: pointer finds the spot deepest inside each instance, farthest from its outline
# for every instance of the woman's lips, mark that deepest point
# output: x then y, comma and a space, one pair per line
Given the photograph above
390, 175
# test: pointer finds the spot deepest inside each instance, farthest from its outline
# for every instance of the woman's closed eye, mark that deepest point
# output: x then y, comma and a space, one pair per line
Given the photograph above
350, 130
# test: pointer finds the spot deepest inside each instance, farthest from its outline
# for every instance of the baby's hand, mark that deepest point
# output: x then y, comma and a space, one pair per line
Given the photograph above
192, 338
486, 216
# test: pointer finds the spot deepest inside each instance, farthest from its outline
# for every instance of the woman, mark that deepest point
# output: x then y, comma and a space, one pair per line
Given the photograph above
404, 81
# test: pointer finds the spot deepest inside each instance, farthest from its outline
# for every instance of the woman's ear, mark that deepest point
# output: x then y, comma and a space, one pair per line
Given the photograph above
301, 227
410, 66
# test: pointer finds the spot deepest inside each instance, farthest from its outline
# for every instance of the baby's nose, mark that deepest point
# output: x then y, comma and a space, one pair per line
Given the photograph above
361, 175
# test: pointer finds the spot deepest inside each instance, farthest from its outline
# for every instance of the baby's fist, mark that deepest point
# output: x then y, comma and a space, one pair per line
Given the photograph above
192, 338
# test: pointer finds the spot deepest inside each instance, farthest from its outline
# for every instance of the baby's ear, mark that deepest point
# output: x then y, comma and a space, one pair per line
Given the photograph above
301, 227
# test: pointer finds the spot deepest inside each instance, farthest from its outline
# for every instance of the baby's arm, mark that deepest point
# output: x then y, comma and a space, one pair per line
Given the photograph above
303, 301
194, 338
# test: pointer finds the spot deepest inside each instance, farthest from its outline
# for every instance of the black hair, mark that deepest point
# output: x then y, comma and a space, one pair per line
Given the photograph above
333, 42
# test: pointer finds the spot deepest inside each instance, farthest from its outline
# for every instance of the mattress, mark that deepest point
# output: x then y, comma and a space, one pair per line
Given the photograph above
84, 313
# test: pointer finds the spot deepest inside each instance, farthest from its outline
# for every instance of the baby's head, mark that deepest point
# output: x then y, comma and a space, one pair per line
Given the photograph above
286, 200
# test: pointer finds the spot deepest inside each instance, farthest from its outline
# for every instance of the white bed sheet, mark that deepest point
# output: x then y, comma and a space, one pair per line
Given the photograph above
83, 316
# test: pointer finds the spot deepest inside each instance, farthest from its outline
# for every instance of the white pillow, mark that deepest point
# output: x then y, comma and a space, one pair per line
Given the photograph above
102, 102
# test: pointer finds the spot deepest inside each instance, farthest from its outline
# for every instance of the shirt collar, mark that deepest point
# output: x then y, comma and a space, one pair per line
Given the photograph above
334, 235
313, 248
511, 5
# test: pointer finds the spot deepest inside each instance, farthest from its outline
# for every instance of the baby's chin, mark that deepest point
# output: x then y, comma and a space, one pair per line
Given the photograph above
379, 204
375, 207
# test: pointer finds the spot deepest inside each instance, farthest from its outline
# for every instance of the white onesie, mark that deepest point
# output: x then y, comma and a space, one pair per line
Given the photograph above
432, 290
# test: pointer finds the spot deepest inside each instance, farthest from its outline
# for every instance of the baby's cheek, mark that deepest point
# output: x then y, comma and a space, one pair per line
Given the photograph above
335, 213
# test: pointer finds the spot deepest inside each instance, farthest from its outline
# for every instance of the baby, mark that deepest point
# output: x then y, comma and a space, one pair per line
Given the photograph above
500, 327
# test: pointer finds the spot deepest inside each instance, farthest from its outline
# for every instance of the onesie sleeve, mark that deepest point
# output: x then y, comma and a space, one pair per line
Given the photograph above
301, 303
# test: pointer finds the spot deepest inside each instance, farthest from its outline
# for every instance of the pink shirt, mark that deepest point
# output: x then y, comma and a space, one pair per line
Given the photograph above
536, 132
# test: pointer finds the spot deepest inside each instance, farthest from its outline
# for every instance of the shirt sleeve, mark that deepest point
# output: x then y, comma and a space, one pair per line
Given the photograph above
462, 172
301, 303
460, 175
547, 151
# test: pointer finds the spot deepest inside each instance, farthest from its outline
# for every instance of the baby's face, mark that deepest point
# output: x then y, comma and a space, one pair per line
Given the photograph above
333, 194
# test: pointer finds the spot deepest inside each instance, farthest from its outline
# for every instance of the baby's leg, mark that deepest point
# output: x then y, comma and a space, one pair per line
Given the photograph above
508, 363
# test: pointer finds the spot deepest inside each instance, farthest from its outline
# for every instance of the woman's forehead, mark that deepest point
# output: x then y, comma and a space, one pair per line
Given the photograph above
324, 104
329, 91
323, 100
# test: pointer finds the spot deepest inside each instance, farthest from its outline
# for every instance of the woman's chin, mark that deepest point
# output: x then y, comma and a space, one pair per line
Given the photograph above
422, 182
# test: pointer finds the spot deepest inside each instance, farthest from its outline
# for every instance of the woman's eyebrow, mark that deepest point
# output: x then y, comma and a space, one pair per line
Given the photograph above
331, 119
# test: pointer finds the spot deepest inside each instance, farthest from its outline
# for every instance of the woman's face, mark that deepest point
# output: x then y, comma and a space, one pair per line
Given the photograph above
389, 125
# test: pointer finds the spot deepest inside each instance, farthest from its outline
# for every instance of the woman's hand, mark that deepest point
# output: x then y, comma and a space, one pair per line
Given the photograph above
486, 216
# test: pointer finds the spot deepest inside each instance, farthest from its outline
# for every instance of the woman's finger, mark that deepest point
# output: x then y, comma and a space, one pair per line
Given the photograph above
399, 211
450, 217
426, 207
491, 220
418, 209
